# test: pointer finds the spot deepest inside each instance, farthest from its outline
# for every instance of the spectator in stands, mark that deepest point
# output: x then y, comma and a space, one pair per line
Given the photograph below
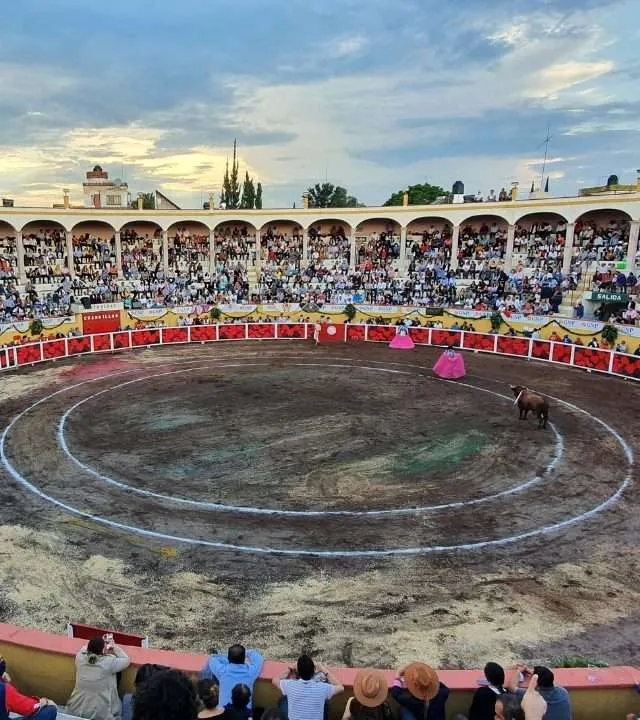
557, 698
484, 698
208, 694
168, 695
369, 701
11, 701
142, 675
578, 311
240, 706
95, 695
621, 347
306, 696
239, 667
419, 693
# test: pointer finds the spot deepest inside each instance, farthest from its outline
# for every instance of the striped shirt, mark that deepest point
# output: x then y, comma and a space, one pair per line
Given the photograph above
306, 698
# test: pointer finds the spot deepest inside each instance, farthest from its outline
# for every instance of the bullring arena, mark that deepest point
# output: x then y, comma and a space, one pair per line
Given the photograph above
339, 499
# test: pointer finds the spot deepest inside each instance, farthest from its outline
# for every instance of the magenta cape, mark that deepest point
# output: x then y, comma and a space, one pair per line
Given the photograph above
402, 342
449, 368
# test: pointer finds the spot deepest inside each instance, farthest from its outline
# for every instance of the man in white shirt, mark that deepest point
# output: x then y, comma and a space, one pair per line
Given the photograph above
306, 696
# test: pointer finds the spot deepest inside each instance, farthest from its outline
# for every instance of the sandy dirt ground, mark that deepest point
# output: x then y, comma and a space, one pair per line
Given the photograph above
159, 439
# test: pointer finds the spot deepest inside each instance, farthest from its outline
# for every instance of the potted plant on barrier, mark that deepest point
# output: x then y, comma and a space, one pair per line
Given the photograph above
36, 327
215, 314
496, 321
350, 311
610, 334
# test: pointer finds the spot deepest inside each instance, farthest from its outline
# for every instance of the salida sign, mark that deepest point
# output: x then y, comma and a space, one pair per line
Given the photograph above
610, 297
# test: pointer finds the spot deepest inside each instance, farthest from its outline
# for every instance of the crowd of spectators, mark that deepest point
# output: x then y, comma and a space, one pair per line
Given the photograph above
432, 245
333, 246
235, 246
8, 258
378, 250
604, 243
188, 253
482, 248
94, 258
226, 688
141, 254
45, 256
541, 246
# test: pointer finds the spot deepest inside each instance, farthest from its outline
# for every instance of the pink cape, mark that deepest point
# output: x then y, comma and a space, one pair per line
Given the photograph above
449, 368
402, 342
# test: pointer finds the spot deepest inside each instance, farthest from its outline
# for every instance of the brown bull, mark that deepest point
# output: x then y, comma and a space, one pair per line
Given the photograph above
529, 401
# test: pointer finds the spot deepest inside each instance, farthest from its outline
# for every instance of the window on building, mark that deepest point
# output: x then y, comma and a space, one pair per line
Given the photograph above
114, 200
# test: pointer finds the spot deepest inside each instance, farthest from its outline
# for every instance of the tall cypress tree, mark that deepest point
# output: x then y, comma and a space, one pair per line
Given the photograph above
224, 195
248, 193
259, 196
233, 197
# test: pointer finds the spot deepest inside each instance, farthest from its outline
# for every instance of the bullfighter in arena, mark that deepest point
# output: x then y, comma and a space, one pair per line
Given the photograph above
450, 365
402, 340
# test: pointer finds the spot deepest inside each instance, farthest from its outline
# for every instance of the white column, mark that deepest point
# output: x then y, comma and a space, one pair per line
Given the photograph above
508, 256
165, 251
352, 258
258, 251
568, 249
70, 261
455, 243
305, 248
118, 253
22, 276
212, 252
634, 229
403, 251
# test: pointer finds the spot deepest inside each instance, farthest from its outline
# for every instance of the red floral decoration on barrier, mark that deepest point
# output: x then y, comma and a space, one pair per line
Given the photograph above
203, 333
420, 336
292, 330
145, 337
262, 331
121, 340
53, 349
627, 365
471, 341
561, 353
445, 337
591, 359
101, 342
175, 335
513, 345
381, 333
355, 333
28, 354
541, 350
231, 332
79, 345
3, 358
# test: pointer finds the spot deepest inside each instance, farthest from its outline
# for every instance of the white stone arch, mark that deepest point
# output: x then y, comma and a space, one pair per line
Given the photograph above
46, 250
480, 210
188, 245
94, 248
9, 248
328, 219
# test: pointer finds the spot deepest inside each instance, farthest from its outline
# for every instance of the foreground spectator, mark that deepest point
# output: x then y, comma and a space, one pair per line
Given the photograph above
484, 698
305, 695
557, 698
95, 695
208, 695
369, 702
239, 667
509, 707
11, 701
419, 693
240, 706
168, 695
142, 676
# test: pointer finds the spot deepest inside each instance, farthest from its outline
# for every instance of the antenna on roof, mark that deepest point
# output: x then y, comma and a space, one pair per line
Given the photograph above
545, 142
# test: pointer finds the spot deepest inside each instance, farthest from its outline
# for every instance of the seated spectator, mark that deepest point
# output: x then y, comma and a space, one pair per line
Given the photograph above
208, 695
369, 701
11, 701
306, 696
621, 347
95, 695
239, 667
557, 698
484, 698
419, 693
142, 675
508, 707
240, 706
168, 695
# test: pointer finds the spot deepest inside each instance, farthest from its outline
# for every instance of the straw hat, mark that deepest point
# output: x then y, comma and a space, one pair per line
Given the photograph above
421, 681
370, 688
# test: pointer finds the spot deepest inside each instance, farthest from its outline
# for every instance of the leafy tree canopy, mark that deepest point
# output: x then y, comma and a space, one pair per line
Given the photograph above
328, 195
423, 194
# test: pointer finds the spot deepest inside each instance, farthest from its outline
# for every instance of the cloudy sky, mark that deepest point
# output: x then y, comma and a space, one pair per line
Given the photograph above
371, 94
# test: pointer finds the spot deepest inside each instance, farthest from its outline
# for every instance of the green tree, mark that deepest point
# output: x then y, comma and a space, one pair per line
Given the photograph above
148, 201
248, 200
423, 194
259, 196
230, 195
325, 195
225, 186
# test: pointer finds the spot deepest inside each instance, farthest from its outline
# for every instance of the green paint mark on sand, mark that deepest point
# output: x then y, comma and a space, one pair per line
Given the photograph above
440, 453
